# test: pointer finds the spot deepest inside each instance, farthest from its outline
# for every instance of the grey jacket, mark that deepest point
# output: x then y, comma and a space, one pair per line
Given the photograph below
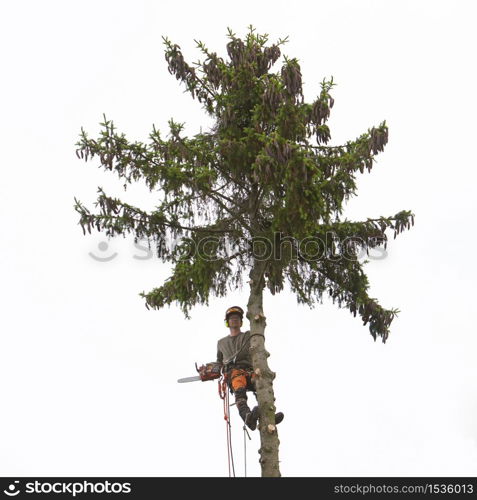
229, 347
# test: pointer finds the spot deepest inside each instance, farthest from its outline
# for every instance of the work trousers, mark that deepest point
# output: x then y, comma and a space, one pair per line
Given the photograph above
241, 381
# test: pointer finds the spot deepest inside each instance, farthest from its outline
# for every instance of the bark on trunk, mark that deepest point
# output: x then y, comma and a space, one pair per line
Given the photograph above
269, 441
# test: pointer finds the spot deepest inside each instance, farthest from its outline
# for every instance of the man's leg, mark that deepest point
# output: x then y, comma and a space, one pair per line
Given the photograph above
239, 386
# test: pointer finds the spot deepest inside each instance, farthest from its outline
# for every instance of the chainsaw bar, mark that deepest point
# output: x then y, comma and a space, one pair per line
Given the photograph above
188, 379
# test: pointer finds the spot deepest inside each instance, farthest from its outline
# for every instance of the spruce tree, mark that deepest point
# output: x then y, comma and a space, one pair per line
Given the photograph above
257, 195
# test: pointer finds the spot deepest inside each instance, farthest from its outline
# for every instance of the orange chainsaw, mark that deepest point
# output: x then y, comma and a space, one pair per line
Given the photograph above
209, 371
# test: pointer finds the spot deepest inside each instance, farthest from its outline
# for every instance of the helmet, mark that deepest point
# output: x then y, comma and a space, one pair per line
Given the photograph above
233, 310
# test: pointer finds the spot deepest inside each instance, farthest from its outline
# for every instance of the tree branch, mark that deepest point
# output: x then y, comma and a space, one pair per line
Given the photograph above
235, 216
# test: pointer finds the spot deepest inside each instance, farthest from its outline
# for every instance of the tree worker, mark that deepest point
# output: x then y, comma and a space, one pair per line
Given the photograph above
234, 354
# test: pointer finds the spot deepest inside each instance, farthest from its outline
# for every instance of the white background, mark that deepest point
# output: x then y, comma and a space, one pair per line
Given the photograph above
88, 374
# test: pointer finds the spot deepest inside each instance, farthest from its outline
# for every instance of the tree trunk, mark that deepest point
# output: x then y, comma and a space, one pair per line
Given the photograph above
264, 376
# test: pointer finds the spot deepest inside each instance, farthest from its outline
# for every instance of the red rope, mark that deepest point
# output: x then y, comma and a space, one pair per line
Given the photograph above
227, 424
224, 395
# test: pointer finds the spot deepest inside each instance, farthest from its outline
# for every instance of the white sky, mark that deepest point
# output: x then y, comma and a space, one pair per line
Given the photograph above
89, 374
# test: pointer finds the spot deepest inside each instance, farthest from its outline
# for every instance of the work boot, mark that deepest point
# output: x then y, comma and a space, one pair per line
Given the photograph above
252, 418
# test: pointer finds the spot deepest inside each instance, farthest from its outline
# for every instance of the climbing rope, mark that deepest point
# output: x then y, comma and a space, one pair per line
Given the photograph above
245, 433
224, 395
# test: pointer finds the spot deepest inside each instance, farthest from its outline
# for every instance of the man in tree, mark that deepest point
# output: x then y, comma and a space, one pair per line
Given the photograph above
233, 352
